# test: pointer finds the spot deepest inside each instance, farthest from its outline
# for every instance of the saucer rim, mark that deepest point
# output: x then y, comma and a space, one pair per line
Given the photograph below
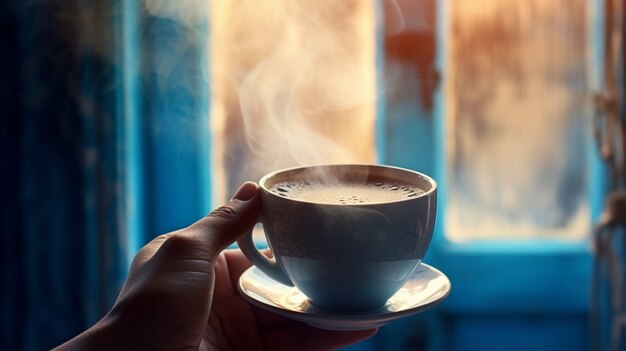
378, 315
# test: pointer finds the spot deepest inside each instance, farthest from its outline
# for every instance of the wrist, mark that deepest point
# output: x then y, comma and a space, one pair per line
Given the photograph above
104, 335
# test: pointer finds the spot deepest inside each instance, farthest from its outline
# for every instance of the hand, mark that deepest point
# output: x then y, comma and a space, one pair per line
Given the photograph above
181, 293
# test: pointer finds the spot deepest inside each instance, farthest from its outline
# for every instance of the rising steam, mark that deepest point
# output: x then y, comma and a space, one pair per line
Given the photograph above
293, 84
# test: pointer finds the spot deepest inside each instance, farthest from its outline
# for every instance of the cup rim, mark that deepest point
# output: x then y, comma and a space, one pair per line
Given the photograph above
430, 180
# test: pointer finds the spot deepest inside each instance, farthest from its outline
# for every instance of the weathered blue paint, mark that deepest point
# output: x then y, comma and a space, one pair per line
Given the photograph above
176, 131
131, 131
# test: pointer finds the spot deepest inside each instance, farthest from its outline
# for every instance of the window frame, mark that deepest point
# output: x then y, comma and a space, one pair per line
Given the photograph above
555, 274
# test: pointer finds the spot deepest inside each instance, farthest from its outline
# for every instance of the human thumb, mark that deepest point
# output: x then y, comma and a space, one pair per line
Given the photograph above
227, 223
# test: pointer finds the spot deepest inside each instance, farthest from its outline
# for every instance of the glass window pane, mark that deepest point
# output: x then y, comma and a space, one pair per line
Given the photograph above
517, 120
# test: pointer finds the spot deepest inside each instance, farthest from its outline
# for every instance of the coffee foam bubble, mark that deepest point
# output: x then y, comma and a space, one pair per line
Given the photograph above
342, 193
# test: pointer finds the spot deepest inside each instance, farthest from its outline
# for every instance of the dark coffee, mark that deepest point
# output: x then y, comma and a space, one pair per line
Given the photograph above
346, 193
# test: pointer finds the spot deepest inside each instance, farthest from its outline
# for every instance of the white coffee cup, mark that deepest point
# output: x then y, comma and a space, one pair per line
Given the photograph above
345, 253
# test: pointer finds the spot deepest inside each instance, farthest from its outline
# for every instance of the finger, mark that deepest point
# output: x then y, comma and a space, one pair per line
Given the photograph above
304, 337
246, 193
226, 224
238, 263
229, 266
224, 287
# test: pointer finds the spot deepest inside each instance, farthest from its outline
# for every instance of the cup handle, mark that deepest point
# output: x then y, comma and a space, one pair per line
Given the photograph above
262, 262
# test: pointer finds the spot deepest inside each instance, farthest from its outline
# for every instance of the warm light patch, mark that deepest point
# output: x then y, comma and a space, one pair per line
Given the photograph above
517, 120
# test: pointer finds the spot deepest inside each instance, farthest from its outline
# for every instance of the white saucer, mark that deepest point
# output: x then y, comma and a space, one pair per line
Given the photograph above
426, 288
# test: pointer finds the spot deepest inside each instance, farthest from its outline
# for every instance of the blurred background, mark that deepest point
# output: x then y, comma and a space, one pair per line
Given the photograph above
122, 120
